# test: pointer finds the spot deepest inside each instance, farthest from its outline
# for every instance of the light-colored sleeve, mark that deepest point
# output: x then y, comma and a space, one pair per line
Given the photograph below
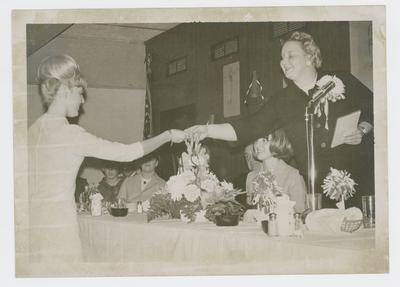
86, 144
298, 191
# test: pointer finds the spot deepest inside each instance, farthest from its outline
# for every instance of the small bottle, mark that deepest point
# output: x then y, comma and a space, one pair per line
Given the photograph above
298, 231
272, 225
139, 207
85, 198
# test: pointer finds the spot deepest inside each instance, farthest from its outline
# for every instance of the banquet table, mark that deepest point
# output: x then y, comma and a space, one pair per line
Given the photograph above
173, 247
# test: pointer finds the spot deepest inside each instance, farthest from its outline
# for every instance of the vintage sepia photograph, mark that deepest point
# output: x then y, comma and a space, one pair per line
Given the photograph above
200, 141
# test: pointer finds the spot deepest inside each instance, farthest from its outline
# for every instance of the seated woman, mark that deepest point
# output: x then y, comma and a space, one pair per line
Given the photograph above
144, 184
273, 151
111, 183
243, 180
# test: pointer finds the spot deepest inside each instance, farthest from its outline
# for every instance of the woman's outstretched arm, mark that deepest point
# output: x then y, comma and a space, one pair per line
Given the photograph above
217, 131
175, 136
87, 144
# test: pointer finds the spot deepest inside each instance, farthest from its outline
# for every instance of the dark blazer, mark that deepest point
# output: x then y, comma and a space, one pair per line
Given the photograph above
286, 109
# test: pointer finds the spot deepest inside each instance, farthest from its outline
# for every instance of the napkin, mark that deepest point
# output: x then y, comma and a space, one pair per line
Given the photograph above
330, 220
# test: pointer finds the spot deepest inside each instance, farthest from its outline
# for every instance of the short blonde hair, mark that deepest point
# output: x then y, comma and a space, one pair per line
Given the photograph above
56, 70
309, 47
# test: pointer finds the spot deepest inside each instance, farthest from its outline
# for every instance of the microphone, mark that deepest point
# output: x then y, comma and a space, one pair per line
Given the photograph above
330, 87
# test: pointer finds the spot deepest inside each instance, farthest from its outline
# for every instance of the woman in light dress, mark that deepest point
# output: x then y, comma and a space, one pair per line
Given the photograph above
56, 151
272, 151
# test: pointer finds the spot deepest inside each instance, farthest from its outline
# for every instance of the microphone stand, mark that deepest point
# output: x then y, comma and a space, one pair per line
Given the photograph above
309, 118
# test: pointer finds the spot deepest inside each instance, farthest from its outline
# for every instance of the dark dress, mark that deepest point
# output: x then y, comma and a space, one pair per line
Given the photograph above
286, 109
109, 192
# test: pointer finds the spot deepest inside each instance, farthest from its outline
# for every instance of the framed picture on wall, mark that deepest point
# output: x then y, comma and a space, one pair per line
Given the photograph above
231, 89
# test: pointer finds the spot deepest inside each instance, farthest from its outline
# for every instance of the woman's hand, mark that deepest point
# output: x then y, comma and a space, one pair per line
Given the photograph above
177, 136
215, 131
198, 131
354, 138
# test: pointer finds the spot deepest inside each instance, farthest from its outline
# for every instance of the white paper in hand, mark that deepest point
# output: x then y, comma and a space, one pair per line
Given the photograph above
345, 125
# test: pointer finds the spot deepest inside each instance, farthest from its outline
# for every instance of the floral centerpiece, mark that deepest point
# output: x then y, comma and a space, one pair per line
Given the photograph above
266, 191
195, 190
338, 185
270, 200
219, 199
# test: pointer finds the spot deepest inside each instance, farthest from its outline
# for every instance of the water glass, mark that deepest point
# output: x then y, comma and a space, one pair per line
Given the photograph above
315, 201
121, 203
368, 210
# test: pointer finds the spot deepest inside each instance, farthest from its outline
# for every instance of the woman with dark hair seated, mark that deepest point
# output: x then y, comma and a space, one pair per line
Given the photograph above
110, 184
273, 151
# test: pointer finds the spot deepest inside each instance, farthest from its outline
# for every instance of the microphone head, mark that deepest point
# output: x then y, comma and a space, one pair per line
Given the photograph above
335, 93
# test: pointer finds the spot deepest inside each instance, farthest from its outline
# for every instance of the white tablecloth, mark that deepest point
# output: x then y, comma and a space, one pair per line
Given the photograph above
131, 246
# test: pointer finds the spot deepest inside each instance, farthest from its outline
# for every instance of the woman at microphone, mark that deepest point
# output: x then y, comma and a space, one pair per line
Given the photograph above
300, 63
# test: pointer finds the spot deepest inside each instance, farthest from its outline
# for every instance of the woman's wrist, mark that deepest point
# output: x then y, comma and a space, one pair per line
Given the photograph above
208, 129
365, 127
168, 136
221, 131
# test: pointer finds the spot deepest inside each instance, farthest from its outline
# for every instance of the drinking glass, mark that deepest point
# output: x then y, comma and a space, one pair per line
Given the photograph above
368, 210
315, 201
121, 203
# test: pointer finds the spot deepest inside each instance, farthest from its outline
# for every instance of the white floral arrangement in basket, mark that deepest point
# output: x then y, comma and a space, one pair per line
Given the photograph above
195, 187
338, 185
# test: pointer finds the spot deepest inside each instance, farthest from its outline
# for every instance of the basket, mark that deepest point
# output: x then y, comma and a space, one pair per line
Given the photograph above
350, 225
227, 220
118, 212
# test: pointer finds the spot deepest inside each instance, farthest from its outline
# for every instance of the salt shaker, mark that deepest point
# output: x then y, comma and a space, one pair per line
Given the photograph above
298, 232
272, 225
139, 207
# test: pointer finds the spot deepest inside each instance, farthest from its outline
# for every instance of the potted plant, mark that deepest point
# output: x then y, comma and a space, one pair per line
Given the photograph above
266, 191
225, 212
338, 185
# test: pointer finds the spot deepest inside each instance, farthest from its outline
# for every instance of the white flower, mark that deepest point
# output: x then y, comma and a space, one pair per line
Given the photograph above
186, 161
208, 185
175, 186
188, 176
337, 92
219, 191
192, 192
338, 184
195, 160
227, 185
176, 194
96, 197
146, 205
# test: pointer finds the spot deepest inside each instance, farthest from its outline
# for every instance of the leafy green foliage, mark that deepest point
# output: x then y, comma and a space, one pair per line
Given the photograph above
161, 204
224, 207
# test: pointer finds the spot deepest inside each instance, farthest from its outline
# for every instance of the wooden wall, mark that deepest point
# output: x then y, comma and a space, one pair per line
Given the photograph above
201, 85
